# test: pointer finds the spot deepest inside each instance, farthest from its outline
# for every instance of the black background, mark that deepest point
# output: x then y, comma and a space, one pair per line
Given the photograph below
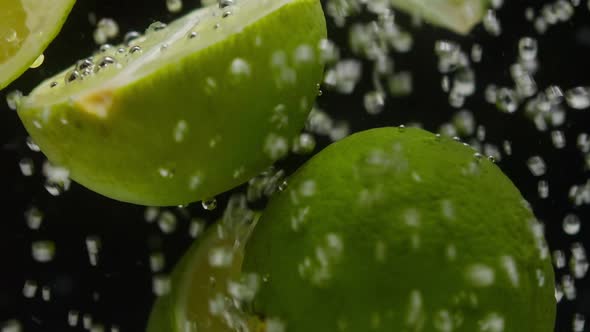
121, 283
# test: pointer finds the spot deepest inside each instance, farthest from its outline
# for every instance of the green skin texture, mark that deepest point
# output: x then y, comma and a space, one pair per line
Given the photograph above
365, 294
450, 14
119, 156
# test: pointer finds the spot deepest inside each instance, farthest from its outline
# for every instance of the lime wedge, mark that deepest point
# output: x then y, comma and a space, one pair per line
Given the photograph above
187, 110
203, 282
457, 15
26, 29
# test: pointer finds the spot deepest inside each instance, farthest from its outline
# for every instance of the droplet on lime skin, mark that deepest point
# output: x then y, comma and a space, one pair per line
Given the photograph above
402, 232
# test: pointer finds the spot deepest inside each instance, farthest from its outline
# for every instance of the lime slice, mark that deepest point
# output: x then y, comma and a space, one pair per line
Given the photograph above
187, 110
26, 29
401, 230
457, 15
205, 283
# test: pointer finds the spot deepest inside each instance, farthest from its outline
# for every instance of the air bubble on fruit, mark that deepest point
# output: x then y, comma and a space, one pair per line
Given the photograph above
38, 62
209, 204
105, 62
226, 3
156, 26
130, 37
135, 49
72, 76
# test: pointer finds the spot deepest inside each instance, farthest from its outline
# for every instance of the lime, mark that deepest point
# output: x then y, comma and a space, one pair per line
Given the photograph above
457, 15
187, 110
26, 28
396, 229
206, 281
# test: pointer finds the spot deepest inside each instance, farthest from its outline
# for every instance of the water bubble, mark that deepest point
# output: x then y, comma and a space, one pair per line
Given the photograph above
72, 76
180, 131
491, 23
34, 218
476, 53
53, 84
507, 100
571, 224
174, 6
161, 284
30, 289
304, 144
104, 62
156, 26
221, 257
157, 262
226, 3
196, 228
344, 76
536, 165
240, 68
329, 52
46, 293
226, 13
527, 48
400, 84
43, 251
38, 62
558, 139
209, 204
374, 102
130, 36
276, 147
73, 317
579, 321
578, 98
167, 222
93, 246
135, 49
543, 189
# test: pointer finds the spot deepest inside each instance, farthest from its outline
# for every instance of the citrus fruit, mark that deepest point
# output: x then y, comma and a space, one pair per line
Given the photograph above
206, 281
401, 230
187, 110
457, 15
26, 28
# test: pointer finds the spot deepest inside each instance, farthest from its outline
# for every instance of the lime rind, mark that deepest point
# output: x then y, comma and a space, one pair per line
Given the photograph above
44, 22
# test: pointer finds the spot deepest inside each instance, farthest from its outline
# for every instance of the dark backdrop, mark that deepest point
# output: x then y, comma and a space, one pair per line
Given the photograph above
118, 291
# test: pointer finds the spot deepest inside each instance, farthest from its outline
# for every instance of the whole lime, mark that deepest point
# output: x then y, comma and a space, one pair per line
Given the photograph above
188, 110
396, 229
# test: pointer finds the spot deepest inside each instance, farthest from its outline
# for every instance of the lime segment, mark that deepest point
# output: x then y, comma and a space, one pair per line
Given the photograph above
26, 28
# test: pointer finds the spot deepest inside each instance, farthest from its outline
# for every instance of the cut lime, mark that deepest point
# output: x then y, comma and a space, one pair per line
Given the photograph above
206, 284
457, 15
401, 230
188, 110
26, 28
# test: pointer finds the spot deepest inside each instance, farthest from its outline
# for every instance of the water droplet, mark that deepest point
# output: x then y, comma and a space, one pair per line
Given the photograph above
578, 98
53, 84
536, 165
43, 251
38, 62
131, 36
72, 76
192, 34
209, 204
104, 62
174, 6
135, 49
571, 224
226, 3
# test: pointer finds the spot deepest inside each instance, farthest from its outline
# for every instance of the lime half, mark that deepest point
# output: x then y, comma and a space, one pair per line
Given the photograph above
396, 229
207, 290
26, 28
188, 110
